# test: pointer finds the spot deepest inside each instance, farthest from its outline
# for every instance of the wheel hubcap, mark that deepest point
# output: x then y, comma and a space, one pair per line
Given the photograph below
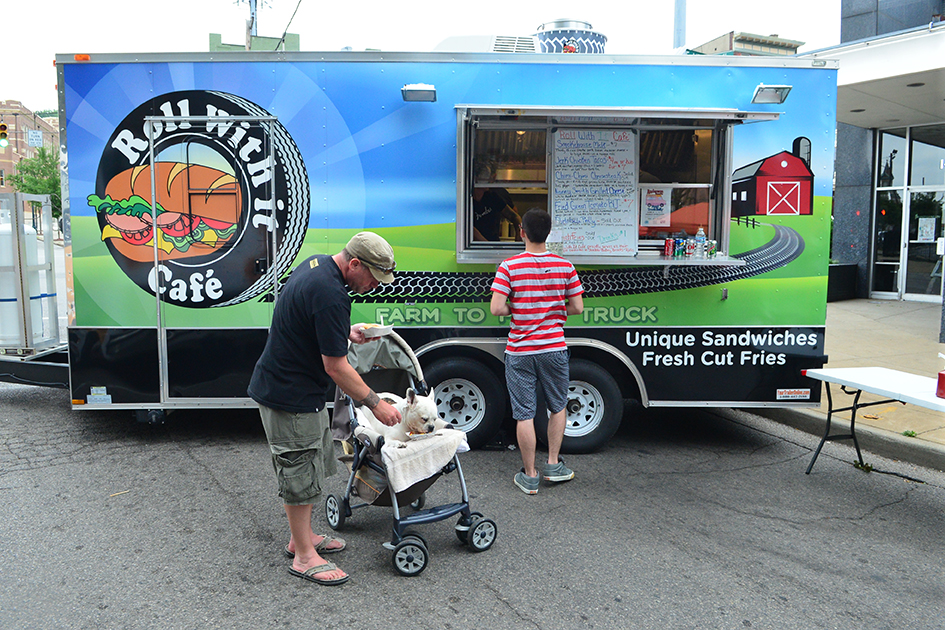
483, 535
585, 409
460, 403
410, 558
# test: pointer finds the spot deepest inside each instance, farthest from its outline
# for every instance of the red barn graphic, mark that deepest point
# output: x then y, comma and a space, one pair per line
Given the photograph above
780, 184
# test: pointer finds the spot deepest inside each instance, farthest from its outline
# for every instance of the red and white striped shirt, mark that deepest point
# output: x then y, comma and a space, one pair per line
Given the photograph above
538, 286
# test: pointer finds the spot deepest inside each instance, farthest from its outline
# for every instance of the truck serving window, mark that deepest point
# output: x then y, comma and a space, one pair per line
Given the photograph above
675, 181
617, 182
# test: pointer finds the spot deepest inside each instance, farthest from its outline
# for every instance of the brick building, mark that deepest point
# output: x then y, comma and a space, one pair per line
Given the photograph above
21, 125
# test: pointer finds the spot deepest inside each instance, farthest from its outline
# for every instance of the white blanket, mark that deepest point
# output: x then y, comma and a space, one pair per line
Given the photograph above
415, 460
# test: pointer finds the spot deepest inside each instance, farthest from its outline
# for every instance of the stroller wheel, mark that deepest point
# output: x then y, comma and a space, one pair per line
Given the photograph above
420, 502
481, 534
335, 511
412, 534
410, 556
462, 526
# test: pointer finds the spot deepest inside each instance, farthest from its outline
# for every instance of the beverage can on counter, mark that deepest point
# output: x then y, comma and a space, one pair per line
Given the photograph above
669, 246
690, 247
711, 249
679, 249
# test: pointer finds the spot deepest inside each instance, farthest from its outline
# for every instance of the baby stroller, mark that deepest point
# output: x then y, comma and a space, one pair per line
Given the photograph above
378, 473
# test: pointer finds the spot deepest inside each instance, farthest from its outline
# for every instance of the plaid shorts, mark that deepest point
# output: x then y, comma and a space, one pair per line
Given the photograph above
523, 373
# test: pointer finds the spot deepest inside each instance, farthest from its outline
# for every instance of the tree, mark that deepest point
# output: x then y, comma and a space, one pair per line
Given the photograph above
40, 176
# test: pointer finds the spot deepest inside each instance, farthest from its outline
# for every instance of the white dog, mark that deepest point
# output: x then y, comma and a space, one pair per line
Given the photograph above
418, 415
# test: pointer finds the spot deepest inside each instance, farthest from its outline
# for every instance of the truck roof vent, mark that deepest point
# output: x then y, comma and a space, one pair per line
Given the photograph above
489, 43
511, 44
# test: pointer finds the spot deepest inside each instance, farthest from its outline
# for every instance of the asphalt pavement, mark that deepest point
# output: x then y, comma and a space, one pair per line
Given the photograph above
688, 519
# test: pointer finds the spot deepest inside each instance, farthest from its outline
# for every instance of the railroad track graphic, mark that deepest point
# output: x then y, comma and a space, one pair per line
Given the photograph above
433, 286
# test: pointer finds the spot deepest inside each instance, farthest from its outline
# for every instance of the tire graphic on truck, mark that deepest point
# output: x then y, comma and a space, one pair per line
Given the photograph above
228, 190
410, 286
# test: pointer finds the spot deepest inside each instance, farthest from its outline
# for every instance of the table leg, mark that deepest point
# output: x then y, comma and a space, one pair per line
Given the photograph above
845, 436
826, 430
853, 409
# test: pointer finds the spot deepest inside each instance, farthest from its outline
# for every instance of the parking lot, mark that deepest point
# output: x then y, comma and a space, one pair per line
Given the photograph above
689, 519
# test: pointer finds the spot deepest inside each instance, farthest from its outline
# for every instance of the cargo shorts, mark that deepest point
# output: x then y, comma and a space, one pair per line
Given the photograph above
303, 453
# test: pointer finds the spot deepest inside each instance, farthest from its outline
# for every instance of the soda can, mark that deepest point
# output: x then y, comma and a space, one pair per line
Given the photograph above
690, 247
711, 249
679, 250
669, 247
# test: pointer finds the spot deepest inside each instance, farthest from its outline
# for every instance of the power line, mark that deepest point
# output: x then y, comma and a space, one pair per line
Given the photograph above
282, 39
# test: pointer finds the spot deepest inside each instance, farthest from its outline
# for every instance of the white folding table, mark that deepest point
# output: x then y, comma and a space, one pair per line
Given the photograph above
896, 386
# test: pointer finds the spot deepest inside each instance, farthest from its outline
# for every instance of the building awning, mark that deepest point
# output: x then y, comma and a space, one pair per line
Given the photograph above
891, 81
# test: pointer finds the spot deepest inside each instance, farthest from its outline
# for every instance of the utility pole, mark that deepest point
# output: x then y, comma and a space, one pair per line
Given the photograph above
251, 25
679, 25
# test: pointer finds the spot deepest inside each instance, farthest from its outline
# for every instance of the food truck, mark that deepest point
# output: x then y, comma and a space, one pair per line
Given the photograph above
692, 196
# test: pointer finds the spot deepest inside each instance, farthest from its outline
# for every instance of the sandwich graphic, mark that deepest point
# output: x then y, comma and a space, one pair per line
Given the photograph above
197, 211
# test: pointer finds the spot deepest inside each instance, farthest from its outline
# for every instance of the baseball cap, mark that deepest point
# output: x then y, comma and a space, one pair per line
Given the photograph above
376, 253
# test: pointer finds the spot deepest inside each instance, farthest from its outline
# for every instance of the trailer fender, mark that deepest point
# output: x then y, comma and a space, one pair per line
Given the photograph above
594, 345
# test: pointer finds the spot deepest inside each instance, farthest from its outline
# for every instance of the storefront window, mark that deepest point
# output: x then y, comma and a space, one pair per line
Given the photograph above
892, 164
888, 226
927, 156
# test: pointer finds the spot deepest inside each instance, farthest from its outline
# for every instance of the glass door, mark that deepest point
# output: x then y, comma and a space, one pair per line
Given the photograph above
923, 277
887, 240
887, 226
909, 213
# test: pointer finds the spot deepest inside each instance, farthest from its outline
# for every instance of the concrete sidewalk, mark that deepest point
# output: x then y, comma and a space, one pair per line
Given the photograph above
880, 333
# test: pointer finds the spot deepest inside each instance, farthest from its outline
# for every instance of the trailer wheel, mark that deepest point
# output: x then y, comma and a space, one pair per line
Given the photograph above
468, 396
594, 409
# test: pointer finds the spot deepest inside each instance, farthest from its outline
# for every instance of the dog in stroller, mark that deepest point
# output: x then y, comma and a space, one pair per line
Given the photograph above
394, 473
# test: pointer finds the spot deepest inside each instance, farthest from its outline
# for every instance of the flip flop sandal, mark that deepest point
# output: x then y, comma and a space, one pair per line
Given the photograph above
322, 547
309, 574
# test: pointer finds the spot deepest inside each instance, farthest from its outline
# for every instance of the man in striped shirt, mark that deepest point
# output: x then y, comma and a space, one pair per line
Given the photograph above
539, 290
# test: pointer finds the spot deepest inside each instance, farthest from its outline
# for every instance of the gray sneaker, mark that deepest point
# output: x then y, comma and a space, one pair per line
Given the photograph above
557, 472
528, 485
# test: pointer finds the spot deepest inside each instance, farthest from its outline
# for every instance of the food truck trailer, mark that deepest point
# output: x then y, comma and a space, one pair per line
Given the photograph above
194, 183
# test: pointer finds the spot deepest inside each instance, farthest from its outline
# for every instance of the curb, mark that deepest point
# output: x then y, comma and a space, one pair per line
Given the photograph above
877, 441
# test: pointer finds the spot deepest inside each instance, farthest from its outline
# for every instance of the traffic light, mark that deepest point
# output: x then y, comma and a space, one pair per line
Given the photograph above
4, 141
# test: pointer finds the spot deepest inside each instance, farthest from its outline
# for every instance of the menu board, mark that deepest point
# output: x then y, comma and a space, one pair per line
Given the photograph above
594, 192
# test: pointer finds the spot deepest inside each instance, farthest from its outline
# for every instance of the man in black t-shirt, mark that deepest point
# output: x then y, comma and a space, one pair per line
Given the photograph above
490, 206
305, 353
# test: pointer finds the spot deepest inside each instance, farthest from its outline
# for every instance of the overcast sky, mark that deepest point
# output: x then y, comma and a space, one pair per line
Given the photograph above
34, 32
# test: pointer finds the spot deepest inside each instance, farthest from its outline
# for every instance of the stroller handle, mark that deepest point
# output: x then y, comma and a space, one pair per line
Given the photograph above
413, 359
